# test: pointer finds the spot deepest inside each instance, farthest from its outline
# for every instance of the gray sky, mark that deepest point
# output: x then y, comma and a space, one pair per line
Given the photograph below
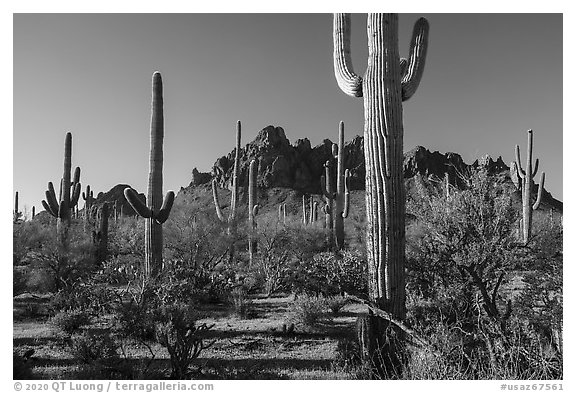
488, 79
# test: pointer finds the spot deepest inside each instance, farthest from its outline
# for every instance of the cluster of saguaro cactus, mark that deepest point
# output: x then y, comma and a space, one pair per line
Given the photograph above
387, 82
309, 210
61, 208
158, 209
523, 180
231, 220
252, 209
337, 199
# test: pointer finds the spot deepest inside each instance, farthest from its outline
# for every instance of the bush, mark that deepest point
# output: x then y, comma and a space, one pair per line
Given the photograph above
70, 321
330, 274
240, 302
308, 310
336, 303
176, 330
89, 347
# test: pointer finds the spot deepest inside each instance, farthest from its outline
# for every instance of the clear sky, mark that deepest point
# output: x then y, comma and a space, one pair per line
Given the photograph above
488, 79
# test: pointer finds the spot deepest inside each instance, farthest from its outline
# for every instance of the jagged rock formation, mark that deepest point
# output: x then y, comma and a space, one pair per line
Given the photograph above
300, 166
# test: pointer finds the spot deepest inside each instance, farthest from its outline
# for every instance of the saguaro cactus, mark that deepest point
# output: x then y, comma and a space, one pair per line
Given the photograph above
101, 236
342, 196
234, 198
61, 208
156, 212
329, 195
523, 180
252, 209
16, 213
388, 82
282, 213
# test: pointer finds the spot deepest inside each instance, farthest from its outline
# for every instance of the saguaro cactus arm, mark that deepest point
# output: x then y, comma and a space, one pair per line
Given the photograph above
146, 212
412, 72
346, 194
136, 203
540, 187
520, 171
51, 204
219, 212
348, 81
164, 211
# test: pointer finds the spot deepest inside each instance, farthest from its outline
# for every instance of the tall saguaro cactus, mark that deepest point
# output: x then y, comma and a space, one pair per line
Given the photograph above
388, 82
235, 187
252, 208
61, 208
157, 210
524, 183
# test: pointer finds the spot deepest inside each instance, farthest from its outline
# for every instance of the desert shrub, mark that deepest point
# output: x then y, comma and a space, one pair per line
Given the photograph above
135, 319
330, 274
89, 347
70, 321
52, 269
177, 331
308, 310
336, 303
19, 281
462, 255
240, 302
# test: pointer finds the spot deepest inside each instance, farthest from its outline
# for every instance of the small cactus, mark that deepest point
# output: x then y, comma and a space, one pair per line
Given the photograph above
523, 180
282, 213
156, 212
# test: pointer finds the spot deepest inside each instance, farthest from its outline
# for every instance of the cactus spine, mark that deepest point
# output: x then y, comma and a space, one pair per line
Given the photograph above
156, 212
252, 209
68, 198
524, 183
387, 82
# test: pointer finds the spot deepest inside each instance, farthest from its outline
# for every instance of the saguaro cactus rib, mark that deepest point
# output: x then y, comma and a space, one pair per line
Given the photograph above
388, 82
158, 209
